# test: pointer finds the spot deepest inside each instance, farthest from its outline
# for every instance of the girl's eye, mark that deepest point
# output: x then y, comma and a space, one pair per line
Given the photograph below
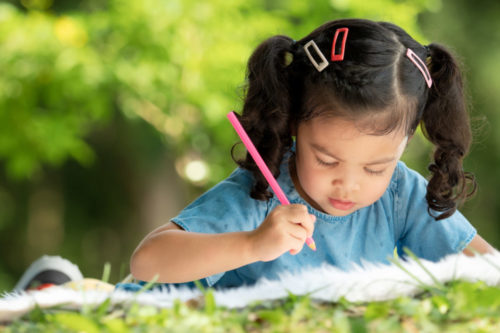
374, 172
321, 162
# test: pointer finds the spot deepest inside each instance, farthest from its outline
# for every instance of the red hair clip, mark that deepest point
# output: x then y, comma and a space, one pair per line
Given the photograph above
414, 58
339, 56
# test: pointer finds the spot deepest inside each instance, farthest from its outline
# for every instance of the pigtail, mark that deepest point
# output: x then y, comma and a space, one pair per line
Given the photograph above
446, 124
266, 109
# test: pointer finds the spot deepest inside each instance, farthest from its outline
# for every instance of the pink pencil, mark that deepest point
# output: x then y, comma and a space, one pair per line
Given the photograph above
263, 167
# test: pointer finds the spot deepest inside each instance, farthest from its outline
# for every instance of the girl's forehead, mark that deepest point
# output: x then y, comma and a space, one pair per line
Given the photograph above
345, 129
346, 137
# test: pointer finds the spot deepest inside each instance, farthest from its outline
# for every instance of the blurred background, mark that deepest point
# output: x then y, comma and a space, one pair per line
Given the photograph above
112, 112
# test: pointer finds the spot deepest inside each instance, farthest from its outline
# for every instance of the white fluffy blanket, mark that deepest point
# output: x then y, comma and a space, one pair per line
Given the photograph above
366, 283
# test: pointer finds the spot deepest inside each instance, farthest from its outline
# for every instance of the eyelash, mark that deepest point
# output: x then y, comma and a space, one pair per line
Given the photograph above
375, 173
320, 162
370, 172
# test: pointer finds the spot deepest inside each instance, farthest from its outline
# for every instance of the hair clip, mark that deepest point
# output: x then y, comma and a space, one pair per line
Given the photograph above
288, 58
339, 56
420, 65
323, 64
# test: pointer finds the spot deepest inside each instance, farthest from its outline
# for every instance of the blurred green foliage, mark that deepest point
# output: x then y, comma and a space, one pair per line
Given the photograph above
103, 104
175, 64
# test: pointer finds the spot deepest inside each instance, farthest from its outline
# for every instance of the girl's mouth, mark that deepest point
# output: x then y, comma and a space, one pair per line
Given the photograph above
341, 205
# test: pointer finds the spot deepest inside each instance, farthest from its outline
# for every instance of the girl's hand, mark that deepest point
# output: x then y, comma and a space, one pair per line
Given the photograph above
284, 229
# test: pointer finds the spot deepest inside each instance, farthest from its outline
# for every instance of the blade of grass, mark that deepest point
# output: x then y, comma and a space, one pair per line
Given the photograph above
147, 286
200, 286
420, 283
482, 256
123, 271
106, 272
419, 262
128, 279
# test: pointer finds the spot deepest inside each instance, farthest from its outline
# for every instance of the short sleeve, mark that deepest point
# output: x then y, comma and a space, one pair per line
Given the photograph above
421, 233
227, 207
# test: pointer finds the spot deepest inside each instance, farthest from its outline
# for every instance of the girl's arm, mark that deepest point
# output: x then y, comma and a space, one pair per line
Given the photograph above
179, 256
173, 255
478, 244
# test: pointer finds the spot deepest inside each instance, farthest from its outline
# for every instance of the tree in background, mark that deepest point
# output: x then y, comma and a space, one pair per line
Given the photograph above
112, 114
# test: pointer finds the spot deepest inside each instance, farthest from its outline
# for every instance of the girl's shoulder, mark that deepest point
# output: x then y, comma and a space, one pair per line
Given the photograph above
405, 178
240, 177
239, 181
228, 200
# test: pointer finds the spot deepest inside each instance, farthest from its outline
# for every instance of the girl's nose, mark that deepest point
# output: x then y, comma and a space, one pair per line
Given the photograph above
347, 180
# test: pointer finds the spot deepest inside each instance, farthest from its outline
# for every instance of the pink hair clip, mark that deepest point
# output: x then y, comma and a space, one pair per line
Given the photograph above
420, 65
339, 56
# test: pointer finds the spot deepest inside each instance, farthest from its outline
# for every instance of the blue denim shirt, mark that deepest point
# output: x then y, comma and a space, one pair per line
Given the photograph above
398, 219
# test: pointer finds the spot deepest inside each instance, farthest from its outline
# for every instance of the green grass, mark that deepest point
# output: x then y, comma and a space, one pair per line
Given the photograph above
456, 307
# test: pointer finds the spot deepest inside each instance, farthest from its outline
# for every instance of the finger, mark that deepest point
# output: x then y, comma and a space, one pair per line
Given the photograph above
295, 250
307, 222
298, 209
298, 232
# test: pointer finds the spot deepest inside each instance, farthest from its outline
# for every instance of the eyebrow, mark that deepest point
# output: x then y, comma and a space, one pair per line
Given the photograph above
326, 152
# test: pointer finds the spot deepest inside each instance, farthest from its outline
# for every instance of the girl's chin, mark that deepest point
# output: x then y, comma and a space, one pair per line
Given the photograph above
337, 212
341, 210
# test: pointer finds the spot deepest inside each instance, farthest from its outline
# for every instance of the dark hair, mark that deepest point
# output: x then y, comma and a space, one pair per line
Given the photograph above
375, 78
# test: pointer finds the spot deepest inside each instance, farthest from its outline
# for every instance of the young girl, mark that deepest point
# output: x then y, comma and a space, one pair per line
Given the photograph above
331, 115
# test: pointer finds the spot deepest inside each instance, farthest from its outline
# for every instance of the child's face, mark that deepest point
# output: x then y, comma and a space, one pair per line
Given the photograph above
340, 169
